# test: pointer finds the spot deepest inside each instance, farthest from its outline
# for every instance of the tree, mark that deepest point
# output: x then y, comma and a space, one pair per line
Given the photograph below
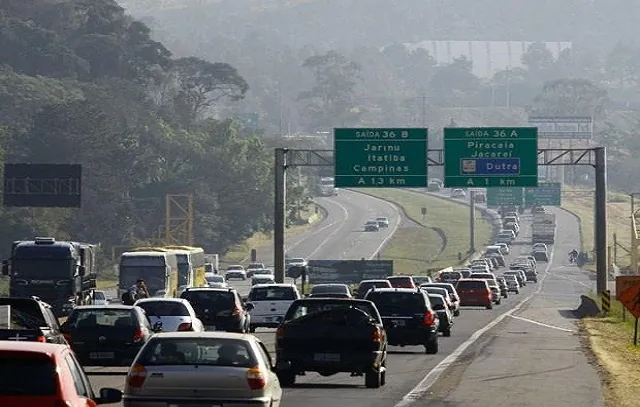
452, 82
571, 97
538, 61
331, 100
200, 84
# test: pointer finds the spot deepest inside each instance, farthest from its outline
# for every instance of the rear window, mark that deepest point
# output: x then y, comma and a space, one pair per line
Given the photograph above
303, 308
436, 300
91, 318
450, 275
198, 351
98, 295
235, 268
24, 314
164, 308
363, 287
401, 281
392, 302
323, 289
272, 294
209, 299
471, 285
22, 375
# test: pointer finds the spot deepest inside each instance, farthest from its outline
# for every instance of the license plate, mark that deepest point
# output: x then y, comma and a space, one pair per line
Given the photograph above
326, 357
101, 355
399, 322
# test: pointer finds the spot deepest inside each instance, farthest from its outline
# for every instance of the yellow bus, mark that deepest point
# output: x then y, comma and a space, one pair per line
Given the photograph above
157, 267
197, 263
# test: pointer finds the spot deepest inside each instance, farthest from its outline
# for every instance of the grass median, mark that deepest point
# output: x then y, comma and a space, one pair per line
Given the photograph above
415, 249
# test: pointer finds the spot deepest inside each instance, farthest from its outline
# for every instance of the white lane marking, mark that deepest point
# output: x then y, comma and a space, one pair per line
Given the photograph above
332, 234
393, 231
315, 232
541, 324
572, 280
429, 380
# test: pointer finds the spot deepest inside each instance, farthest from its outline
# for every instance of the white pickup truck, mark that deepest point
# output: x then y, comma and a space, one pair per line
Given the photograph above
270, 304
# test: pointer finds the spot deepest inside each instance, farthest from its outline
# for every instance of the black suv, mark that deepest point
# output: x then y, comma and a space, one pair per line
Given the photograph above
407, 317
219, 309
31, 320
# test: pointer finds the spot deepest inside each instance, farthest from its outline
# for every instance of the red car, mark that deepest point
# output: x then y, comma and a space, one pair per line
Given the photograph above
474, 292
45, 374
402, 282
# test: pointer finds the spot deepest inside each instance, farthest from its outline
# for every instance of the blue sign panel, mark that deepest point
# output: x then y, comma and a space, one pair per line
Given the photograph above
490, 166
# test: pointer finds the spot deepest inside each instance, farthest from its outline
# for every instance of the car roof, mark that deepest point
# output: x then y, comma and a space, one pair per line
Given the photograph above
32, 347
276, 285
108, 306
395, 290
378, 280
156, 299
472, 279
399, 277
206, 334
330, 285
218, 289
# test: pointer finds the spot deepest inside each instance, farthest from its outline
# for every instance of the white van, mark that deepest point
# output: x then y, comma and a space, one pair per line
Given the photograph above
270, 303
493, 249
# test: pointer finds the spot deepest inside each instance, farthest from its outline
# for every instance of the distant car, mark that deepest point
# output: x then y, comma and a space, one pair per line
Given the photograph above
330, 291
107, 335
474, 292
170, 314
458, 193
417, 280
270, 302
236, 272
45, 374
214, 279
402, 282
296, 261
253, 266
383, 221
539, 247
513, 286
445, 315
263, 279
453, 295
202, 369
541, 256
371, 226
366, 285
99, 298
504, 248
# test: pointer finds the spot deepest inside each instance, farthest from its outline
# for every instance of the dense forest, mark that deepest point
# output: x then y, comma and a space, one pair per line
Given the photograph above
81, 82
192, 99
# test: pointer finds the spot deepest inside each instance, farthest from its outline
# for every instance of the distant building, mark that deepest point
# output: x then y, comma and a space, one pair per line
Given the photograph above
488, 57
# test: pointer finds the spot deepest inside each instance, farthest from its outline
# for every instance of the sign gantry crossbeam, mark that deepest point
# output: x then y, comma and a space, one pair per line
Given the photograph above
435, 157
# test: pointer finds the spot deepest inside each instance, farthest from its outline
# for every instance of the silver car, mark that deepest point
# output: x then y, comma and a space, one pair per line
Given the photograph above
513, 286
202, 369
170, 314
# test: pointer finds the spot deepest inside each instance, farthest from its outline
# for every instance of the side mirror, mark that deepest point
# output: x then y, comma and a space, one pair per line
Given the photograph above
249, 306
109, 395
81, 271
5, 267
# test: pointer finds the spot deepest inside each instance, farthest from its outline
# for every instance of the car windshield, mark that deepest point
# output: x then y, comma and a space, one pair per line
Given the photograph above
436, 300
262, 272
99, 318
27, 374
215, 279
392, 302
164, 308
381, 219
450, 275
198, 351
98, 295
302, 308
329, 288
372, 222
435, 290
272, 294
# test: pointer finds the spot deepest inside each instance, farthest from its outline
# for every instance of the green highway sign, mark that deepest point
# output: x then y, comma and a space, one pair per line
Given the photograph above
380, 158
490, 157
546, 194
505, 196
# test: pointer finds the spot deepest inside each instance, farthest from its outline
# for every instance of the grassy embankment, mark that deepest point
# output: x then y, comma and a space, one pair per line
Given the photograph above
610, 337
238, 253
416, 249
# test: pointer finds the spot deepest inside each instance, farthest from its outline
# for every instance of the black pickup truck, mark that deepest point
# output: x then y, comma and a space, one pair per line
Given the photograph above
30, 320
329, 336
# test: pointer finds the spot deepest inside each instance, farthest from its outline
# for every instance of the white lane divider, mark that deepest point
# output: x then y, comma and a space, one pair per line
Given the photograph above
332, 234
315, 232
531, 321
430, 379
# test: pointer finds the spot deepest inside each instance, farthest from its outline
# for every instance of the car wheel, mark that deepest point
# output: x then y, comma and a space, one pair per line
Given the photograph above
446, 333
431, 348
252, 328
490, 306
373, 379
287, 378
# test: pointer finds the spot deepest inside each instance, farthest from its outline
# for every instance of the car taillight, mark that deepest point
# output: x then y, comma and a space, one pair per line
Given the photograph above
429, 318
255, 378
185, 326
377, 335
138, 335
136, 376
41, 339
279, 333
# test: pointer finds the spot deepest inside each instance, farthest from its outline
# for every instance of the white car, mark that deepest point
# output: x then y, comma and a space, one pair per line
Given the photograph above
171, 314
270, 304
296, 261
235, 272
458, 193
214, 279
383, 221
99, 298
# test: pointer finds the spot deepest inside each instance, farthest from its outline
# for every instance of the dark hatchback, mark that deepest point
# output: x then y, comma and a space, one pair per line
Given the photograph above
219, 309
407, 317
31, 320
107, 335
366, 285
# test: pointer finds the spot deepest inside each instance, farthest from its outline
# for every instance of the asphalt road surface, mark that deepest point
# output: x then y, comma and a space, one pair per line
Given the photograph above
340, 235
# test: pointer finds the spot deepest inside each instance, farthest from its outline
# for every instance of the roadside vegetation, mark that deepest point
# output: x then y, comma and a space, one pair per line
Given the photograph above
439, 240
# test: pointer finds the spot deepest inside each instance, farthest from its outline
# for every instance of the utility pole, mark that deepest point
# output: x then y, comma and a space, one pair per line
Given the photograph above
472, 221
279, 215
601, 219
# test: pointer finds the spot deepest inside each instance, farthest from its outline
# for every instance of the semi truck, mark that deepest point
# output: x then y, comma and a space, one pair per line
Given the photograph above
543, 229
327, 186
60, 273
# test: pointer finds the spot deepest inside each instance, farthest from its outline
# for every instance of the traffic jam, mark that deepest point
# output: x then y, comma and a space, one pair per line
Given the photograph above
185, 336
